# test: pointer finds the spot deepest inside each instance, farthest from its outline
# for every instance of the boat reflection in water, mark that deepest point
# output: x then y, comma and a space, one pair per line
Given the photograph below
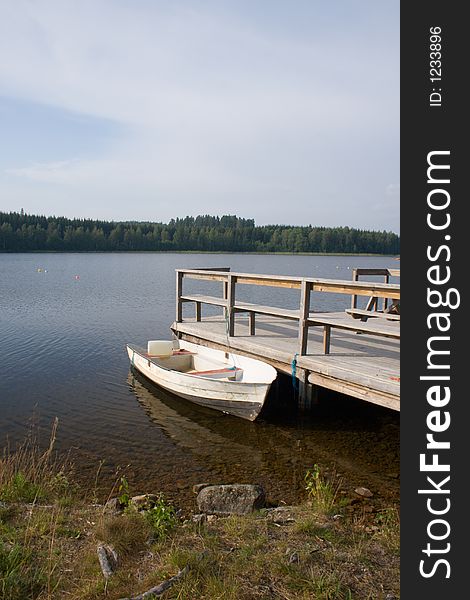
221, 448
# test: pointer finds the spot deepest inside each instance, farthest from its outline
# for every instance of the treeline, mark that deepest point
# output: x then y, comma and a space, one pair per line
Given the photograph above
28, 233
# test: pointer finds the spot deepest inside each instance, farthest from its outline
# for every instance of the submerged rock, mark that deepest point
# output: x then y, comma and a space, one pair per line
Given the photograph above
234, 499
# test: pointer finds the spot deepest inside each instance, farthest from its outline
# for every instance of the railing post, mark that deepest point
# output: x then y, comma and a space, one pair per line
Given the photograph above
179, 293
355, 277
252, 322
230, 304
326, 339
385, 300
225, 297
303, 316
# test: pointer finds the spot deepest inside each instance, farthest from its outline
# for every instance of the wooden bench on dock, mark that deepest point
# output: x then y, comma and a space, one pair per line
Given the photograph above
340, 321
364, 314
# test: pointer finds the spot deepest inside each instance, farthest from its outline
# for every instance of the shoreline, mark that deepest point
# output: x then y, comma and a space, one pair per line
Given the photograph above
393, 256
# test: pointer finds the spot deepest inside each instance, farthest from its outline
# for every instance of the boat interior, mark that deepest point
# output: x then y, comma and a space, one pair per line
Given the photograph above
193, 363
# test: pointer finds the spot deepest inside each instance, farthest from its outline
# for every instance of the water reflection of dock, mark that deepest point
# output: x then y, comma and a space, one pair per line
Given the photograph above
359, 357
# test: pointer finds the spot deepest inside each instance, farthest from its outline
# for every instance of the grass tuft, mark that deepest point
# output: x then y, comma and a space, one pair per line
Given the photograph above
127, 533
322, 491
31, 475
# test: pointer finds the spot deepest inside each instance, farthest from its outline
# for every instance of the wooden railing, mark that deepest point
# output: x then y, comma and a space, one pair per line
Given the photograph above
303, 315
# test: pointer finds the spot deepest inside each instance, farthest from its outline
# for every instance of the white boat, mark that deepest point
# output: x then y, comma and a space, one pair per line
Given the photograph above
228, 382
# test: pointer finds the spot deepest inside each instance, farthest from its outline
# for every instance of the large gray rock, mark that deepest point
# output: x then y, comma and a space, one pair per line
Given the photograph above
235, 499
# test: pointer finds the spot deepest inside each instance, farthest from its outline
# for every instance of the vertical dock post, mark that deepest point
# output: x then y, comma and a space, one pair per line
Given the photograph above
252, 322
355, 277
385, 300
179, 293
230, 304
225, 292
304, 315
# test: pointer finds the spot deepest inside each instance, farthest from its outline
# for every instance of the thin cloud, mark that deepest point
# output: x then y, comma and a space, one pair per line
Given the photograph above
217, 111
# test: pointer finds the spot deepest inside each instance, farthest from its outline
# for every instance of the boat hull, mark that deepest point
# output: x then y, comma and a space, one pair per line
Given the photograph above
243, 399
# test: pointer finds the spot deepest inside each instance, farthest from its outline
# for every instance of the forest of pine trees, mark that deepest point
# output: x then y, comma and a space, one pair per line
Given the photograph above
20, 232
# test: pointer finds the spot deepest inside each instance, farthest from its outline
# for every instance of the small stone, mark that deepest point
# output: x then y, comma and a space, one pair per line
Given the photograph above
143, 502
108, 559
113, 506
280, 515
199, 519
211, 518
364, 492
294, 558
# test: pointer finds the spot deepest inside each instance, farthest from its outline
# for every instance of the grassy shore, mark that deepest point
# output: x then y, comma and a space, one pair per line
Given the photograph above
331, 547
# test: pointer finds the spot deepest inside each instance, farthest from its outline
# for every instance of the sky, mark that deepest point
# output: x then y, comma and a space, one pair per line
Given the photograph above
147, 110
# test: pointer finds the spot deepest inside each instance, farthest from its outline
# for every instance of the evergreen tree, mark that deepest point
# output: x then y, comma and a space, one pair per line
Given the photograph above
20, 232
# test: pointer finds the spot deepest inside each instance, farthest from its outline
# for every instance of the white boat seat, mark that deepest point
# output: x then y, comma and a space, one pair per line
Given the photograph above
227, 372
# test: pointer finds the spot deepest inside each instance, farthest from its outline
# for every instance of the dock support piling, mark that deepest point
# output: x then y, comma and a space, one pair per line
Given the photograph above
306, 390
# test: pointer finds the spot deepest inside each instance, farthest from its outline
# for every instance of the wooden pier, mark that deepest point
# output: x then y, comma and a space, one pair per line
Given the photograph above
355, 351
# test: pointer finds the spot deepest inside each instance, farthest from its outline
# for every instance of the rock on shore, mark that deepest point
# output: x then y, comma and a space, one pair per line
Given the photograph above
234, 499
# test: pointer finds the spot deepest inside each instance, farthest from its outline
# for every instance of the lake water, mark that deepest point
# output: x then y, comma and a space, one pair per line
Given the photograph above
64, 323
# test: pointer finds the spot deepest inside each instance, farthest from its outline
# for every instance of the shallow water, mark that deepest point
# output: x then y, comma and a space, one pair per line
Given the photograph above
64, 323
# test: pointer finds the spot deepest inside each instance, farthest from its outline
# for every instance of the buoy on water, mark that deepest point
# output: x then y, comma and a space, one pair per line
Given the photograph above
77, 277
